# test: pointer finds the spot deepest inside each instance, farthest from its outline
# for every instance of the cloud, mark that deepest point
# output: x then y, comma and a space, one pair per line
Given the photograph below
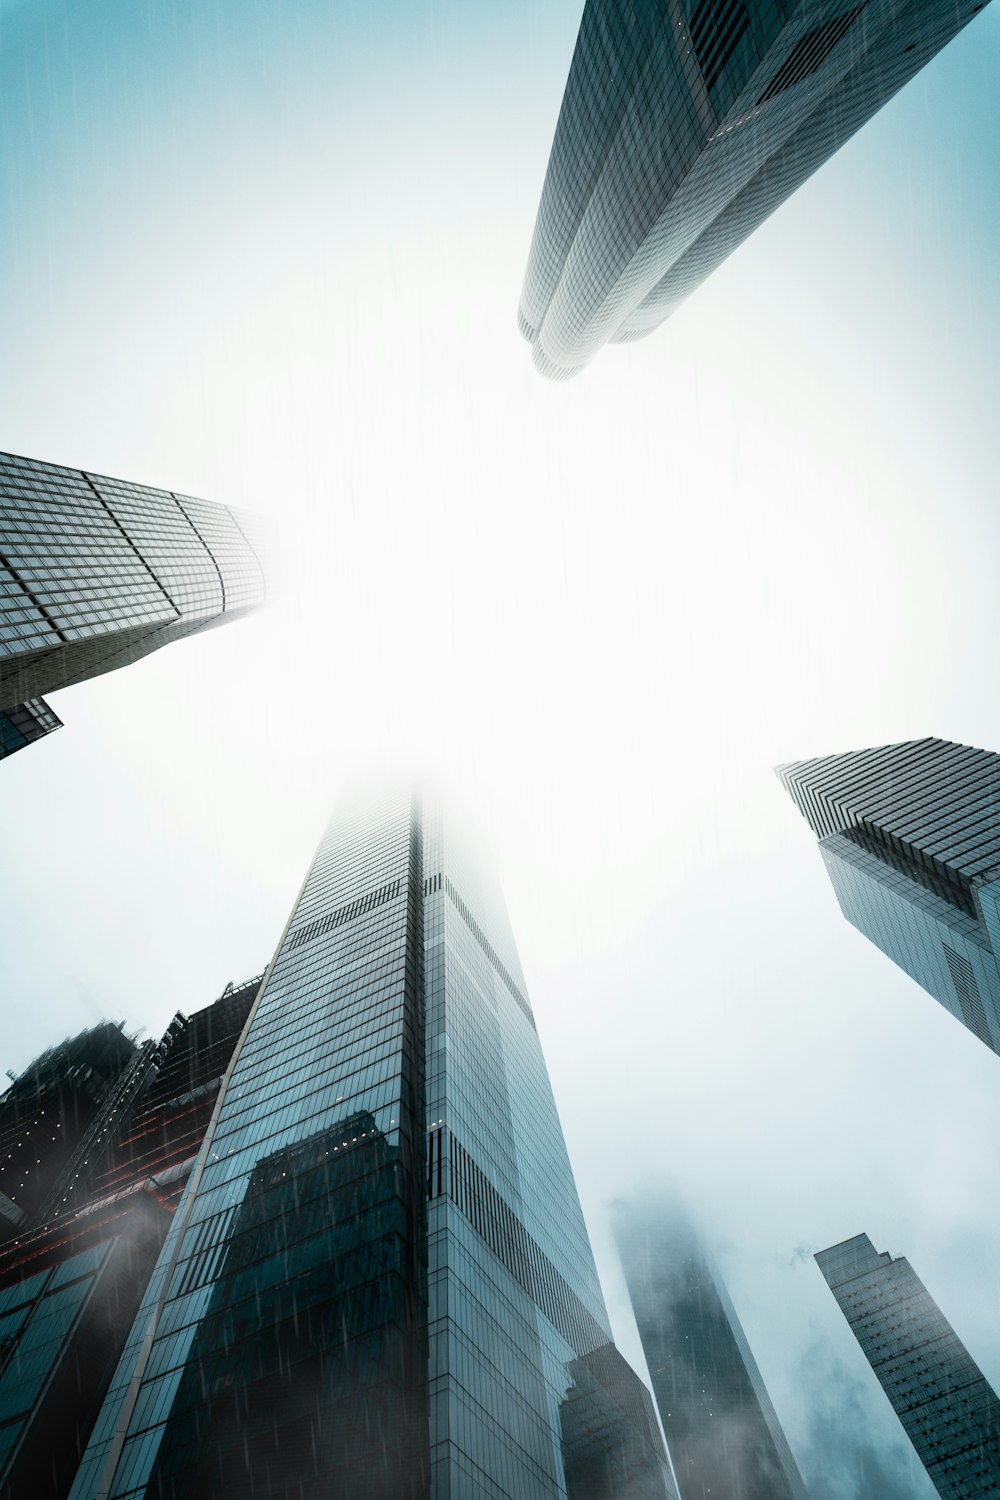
847, 1456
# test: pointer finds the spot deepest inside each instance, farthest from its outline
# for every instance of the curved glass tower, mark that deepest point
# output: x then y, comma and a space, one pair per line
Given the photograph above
684, 124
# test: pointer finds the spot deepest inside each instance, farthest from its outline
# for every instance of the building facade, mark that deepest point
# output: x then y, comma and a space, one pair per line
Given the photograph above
722, 1430
910, 836
612, 1445
96, 573
67, 1301
684, 124
378, 1280
24, 723
950, 1412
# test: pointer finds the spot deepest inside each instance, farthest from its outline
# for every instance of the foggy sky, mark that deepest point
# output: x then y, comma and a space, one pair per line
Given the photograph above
270, 254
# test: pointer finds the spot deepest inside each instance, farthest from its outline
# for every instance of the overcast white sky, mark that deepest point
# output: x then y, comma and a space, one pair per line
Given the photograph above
271, 254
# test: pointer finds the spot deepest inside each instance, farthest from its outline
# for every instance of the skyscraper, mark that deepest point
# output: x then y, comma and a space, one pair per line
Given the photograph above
950, 1412
683, 126
101, 1136
910, 836
96, 573
378, 1280
722, 1430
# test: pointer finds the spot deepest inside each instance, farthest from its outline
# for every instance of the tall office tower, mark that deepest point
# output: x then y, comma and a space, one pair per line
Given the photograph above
722, 1431
96, 573
950, 1413
378, 1279
910, 836
72, 1279
683, 126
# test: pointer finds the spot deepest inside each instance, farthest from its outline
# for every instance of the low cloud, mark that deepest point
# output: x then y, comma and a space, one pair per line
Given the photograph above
846, 1455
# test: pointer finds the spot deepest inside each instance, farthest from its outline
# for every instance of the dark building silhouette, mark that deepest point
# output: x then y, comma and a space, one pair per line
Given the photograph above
684, 124
112, 1130
157, 1137
950, 1412
47, 1112
96, 573
910, 836
722, 1430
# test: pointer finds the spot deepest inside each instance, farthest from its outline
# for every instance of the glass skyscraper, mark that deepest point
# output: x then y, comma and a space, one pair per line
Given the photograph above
910, 835
950, 1412
722, 1430
96, 573
379, 1280
683, 126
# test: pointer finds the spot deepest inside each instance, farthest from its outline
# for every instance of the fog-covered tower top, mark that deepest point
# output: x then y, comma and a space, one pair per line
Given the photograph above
949, 1410
722, 1430
910, 835
379, 1280
684, 124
